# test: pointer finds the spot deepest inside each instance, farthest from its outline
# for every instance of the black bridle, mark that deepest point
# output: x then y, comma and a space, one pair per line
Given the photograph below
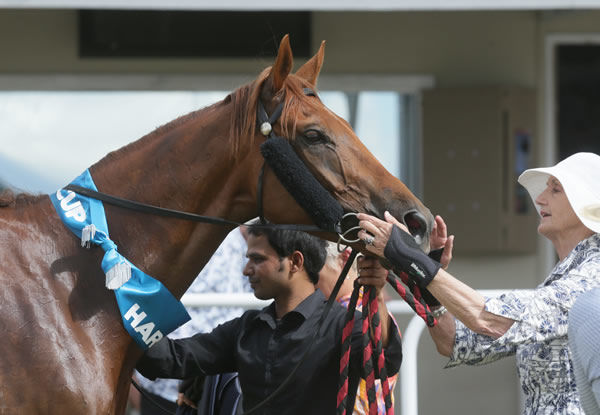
266, 128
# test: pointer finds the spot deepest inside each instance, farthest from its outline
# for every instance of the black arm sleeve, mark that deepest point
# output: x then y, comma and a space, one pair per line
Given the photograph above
431, 301
403, 252
204, 353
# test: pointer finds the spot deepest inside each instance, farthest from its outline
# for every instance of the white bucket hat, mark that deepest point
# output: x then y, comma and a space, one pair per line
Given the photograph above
579, 176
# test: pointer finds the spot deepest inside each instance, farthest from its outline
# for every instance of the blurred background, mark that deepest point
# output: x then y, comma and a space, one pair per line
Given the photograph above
456, 98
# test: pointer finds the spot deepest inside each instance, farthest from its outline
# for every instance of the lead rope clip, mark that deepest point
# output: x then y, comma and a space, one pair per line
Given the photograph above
343, 235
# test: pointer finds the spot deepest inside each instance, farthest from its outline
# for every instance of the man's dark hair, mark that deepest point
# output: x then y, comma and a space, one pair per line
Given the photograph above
285, 242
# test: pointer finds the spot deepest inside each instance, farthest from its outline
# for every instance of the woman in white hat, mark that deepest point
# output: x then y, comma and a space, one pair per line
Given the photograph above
532, 325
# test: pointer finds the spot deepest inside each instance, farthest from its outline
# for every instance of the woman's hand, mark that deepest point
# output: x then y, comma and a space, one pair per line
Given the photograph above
380, 232
376, 233
439, 239
391, 240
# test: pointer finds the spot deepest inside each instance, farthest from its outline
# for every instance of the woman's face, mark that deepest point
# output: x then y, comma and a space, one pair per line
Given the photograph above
557, 216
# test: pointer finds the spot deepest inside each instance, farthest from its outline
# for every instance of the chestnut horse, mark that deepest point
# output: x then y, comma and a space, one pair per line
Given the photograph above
64, 348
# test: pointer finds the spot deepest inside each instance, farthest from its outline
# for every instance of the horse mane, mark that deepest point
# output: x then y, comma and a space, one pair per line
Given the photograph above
244, 101
116, 154
9, 198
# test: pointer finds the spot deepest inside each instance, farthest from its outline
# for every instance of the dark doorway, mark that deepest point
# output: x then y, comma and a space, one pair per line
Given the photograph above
578, 75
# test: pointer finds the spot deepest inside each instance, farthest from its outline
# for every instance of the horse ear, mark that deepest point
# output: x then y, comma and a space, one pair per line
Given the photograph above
283, 65
310, 70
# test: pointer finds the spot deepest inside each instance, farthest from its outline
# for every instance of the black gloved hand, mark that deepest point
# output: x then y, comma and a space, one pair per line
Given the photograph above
403, 252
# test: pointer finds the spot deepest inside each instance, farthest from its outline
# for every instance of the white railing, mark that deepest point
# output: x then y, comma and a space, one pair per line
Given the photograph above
410, 337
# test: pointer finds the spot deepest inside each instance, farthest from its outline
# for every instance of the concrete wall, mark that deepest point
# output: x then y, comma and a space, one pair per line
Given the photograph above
456, 48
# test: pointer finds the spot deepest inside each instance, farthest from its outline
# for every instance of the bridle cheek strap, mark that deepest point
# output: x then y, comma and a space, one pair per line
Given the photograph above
296, 178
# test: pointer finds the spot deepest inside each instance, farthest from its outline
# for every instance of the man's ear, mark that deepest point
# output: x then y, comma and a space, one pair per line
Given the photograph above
297, 261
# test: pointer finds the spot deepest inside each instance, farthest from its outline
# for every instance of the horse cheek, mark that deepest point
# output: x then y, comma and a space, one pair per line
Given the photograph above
279, 205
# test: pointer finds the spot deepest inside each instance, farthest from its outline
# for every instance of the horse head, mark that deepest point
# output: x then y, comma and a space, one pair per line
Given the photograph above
330, 149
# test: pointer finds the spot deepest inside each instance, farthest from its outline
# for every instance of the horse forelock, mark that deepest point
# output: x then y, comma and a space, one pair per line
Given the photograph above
243, 116
245, 103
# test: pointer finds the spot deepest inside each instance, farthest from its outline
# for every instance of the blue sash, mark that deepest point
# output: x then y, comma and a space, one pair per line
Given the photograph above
149, 311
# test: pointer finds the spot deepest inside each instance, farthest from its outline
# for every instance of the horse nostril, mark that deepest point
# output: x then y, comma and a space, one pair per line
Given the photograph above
417, 225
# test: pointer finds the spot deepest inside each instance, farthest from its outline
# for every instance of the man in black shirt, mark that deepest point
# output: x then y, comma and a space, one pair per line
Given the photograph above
264, 346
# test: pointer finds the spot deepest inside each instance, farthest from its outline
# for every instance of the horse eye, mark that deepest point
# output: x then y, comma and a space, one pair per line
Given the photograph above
314, 136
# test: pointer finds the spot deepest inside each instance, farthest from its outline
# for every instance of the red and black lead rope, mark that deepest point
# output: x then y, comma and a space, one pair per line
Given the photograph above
378, 356
373, 365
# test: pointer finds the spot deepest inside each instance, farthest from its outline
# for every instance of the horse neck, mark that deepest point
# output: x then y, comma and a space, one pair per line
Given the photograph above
186, 165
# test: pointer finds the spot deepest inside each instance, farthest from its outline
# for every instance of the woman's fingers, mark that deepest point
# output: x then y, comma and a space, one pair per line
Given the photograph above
441, 227
447, 252
374, 244
391, 219
438, 237
375, 233
373, 225
370, 227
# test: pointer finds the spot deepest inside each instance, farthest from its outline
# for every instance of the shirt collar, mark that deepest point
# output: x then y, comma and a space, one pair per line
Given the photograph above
303, 311
566, 264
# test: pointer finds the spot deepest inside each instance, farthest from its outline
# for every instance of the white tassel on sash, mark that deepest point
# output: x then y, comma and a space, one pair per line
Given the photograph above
118, 275
87, 235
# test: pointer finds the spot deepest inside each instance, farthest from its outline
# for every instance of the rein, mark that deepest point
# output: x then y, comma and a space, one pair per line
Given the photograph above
171, 213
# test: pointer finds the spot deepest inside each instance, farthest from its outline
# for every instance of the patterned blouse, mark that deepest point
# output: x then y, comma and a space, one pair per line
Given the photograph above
539, 335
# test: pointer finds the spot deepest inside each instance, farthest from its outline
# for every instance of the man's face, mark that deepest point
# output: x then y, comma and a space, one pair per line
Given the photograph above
268, 275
